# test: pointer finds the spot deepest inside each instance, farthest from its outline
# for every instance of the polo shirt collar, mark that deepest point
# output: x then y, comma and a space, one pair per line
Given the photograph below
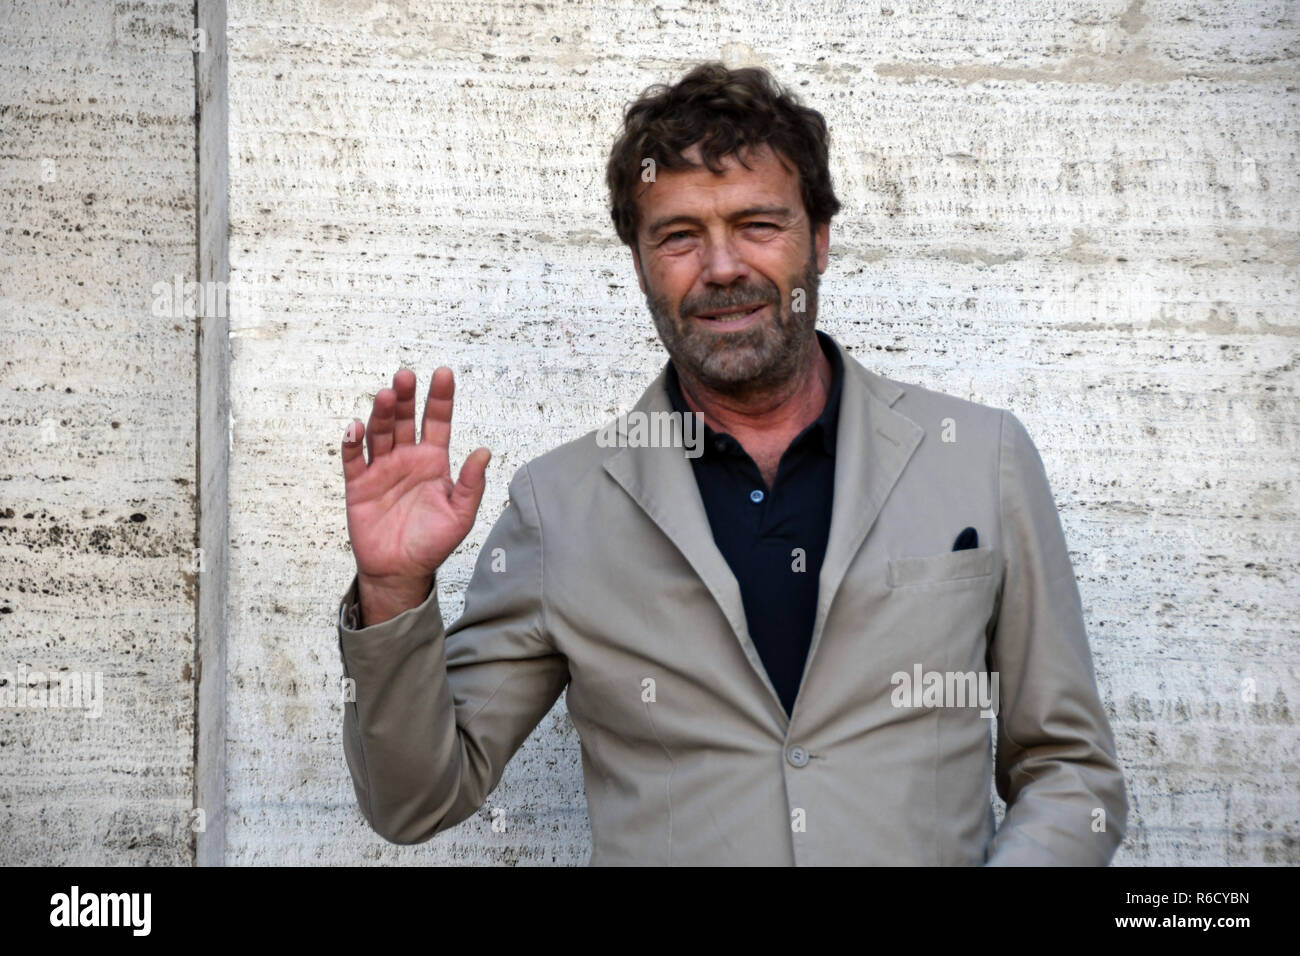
826, 424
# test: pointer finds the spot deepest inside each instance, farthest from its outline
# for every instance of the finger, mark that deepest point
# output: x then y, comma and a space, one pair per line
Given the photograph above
404, 426
354, 460
437, 410
379, 430
468, 491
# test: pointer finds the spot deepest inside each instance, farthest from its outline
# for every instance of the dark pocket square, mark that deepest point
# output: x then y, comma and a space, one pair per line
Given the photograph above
969, 538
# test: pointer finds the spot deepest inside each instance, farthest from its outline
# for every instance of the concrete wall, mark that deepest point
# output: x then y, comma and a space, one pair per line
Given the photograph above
1084, 212
1080, 211
97, 450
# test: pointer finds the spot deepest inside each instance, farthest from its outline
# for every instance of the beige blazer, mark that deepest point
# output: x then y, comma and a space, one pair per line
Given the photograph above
601, 576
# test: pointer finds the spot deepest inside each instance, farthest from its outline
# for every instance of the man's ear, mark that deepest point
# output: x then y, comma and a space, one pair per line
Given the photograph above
822, 241
636, 261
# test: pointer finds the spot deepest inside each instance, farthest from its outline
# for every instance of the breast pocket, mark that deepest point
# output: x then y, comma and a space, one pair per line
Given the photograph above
971, 564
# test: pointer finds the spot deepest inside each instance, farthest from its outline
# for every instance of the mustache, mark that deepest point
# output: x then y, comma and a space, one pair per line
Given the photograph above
734, 299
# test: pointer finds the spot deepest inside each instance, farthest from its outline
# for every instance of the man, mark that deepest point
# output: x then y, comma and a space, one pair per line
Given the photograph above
783, 645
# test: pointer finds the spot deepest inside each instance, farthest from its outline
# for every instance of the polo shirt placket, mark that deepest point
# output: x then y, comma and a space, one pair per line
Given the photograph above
774, 540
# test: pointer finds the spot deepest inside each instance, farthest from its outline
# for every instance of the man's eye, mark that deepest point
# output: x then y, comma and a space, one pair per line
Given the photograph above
672, 235
767, 225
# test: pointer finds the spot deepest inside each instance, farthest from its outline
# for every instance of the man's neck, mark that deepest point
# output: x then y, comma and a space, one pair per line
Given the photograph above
766, 424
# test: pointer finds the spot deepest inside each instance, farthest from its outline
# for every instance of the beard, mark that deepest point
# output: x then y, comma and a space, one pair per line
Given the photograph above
753, 362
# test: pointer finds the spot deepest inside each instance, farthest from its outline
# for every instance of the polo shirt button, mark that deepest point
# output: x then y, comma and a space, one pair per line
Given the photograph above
797, 756
756, 496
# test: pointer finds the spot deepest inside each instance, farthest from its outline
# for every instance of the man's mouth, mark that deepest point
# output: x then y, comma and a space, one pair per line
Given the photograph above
737, 313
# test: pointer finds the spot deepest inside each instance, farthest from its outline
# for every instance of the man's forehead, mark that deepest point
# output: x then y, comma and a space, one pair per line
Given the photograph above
766, 175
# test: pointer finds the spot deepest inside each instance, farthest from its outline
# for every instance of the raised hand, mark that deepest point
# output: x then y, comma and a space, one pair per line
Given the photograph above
405, 515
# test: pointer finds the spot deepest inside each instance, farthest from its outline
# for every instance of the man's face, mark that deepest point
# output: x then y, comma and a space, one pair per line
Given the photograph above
718, 243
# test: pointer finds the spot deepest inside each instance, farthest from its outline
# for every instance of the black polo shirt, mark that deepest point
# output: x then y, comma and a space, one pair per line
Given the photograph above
774, 540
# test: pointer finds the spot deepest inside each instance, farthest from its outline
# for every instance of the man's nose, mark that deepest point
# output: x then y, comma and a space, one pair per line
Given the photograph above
722, 262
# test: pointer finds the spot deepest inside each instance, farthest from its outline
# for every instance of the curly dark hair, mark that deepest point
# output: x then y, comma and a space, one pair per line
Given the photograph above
723, 110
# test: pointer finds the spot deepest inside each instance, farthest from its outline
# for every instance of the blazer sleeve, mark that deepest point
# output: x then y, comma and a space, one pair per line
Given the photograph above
439, 713
1057, 767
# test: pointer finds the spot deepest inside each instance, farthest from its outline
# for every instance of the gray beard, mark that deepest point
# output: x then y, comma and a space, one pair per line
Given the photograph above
744, 365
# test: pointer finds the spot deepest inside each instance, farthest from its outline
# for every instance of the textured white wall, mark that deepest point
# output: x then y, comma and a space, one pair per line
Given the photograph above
1084, 212
97, 449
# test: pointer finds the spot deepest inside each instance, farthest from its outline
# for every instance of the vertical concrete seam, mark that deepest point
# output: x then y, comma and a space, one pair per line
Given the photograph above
213, 369
196, 493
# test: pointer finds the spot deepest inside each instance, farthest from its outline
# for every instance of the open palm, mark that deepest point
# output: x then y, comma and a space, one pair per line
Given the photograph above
405, 514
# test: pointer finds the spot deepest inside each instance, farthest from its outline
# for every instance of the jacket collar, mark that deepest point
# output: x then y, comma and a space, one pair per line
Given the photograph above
873, 445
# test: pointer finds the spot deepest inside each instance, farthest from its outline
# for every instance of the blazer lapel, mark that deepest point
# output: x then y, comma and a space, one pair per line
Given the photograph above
662, 482
873, 445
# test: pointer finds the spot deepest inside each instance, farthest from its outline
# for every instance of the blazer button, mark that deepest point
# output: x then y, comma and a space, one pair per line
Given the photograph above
797, 756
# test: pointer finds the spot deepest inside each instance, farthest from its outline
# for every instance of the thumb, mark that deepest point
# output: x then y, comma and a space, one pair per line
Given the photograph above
468, 491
